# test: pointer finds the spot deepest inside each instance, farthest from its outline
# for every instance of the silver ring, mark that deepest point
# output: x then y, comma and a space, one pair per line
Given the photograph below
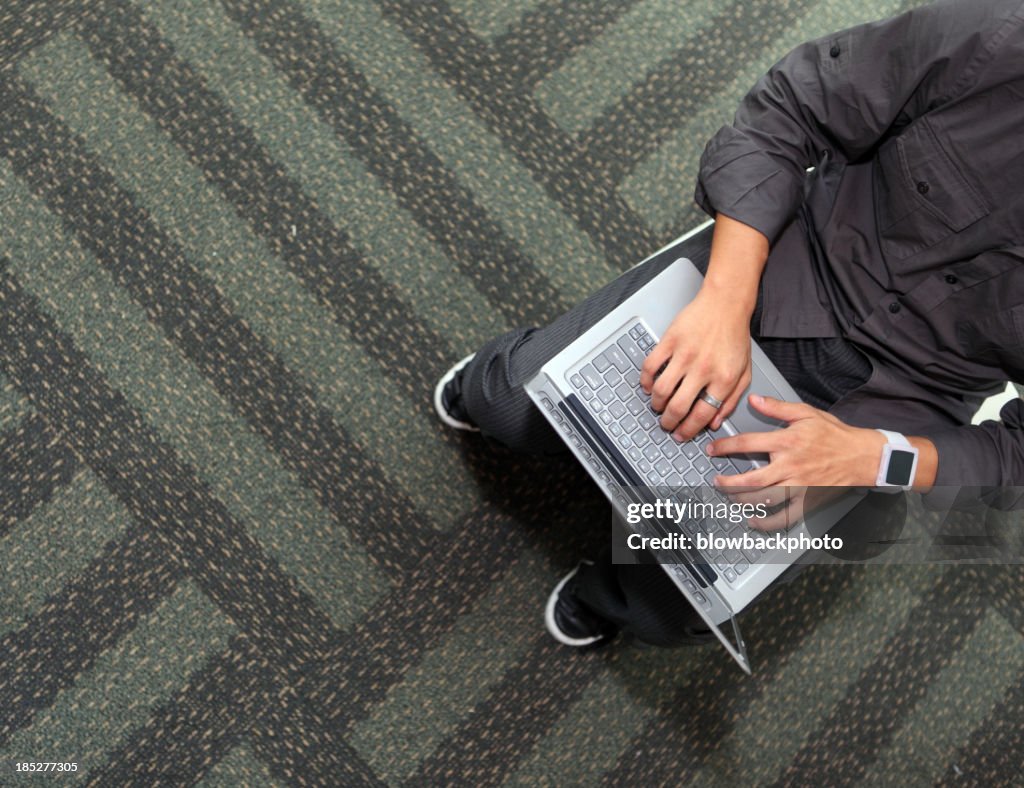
714, 402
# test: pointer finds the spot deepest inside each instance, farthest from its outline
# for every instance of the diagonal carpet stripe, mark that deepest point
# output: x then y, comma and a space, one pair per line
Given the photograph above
328, 169
158, 277
599, 75
867, 719
267, 297
161, 651
75, 627
34, 463
475, 156
922, 748
237, 466
54, 544
584, 192
114, 441
545, 38
635, 125
262, 193
347, 102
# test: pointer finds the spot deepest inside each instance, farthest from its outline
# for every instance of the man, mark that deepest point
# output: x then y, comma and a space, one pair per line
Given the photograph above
887, 285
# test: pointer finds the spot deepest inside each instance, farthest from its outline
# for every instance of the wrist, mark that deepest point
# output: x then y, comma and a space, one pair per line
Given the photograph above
731, 299
865, 469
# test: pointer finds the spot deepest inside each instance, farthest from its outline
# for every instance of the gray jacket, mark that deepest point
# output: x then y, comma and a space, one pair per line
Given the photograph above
908, 236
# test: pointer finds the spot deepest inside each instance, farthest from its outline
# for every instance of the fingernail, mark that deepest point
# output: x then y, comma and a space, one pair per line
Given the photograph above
710, 449
757, 399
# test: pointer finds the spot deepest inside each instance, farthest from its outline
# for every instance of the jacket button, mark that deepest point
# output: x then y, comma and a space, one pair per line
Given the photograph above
951, 279
894, 307
834, 51
922, 187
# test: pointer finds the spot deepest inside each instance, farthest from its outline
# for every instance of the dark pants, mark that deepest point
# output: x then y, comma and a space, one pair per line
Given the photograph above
640, 598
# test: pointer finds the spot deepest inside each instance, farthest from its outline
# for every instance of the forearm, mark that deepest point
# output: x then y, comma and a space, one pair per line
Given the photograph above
738, 256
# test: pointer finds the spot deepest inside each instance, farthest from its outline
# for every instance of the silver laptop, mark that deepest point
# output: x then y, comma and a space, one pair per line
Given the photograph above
590, 392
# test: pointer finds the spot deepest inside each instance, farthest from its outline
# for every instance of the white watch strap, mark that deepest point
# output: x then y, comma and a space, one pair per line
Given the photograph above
896, 439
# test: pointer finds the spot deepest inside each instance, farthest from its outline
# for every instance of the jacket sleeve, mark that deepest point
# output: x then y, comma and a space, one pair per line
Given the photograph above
839, 95
981, 463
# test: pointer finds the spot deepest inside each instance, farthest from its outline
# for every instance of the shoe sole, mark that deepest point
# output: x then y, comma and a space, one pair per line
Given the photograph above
443, 414
549, 618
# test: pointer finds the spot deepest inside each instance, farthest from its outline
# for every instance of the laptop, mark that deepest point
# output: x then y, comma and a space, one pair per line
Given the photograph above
590, 393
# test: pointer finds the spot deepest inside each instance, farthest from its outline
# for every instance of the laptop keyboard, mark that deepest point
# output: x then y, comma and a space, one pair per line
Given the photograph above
609, 385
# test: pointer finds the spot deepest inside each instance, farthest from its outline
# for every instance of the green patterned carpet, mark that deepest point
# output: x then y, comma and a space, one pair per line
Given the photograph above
240, 242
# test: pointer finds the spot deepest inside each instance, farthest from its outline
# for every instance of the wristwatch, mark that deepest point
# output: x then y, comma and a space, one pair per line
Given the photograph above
898, 466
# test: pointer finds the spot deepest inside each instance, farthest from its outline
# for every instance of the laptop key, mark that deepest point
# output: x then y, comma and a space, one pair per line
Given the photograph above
692, 479
623, 391
640, 438
647, 421
606, 395
624, 441
613, 378
636, 331
674, 480
628, 424
659, 435
591, 377
619, 360
577, 381
681, 464
751, 554
651, 452
670, 449
633, 353
741, 567
605, 416
663, 467
601, 362
732, 555
702, 466
644, 466
635, 406
634, 453
586, 392
615, 429
617, 409
690, 450
730, 575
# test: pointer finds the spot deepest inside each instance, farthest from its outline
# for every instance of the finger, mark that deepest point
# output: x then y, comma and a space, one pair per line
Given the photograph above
678, 407
746, 443
756, 479
698, 418
666, 383
732, 401
654, 362
781, 410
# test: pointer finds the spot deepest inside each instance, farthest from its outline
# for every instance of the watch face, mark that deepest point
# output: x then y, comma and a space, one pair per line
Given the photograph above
901, 463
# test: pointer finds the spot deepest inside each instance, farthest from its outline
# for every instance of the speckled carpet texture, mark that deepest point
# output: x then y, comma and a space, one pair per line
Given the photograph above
240, 241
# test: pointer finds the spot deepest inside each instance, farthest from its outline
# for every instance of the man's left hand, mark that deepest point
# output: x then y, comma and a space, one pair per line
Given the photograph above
814, 450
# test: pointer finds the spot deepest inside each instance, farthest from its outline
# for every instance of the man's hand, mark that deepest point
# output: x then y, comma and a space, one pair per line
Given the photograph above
815, 450
707, 347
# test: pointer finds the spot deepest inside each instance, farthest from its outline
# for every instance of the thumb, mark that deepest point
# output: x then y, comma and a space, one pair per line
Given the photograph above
779, 409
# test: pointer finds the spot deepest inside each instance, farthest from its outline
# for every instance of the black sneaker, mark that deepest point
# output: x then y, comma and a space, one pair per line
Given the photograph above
570, 622
448, 398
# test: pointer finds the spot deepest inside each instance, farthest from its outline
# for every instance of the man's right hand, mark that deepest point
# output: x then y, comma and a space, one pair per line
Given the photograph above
707, 346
